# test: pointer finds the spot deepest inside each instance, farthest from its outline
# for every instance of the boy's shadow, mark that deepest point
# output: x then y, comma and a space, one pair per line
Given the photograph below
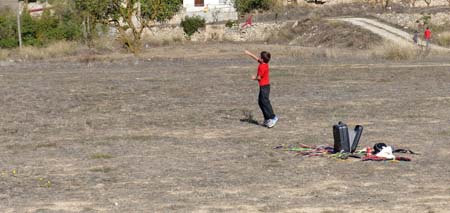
248, 117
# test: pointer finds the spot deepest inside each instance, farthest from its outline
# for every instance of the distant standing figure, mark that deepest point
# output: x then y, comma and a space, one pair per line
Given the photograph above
427, 36
248, 22
416, 37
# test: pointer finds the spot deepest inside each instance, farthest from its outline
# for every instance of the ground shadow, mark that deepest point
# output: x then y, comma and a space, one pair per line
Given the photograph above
248, 117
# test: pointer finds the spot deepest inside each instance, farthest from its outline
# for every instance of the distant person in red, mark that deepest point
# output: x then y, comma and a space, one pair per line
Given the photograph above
262, 76
427, 36
248, 22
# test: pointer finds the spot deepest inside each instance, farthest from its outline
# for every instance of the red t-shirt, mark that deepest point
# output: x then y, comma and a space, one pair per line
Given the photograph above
263, 73
427, 34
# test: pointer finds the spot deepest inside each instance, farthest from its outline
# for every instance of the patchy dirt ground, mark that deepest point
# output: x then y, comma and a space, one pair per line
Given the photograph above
163, 133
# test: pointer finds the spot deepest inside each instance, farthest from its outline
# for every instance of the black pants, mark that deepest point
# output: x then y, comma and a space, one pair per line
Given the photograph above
264, 102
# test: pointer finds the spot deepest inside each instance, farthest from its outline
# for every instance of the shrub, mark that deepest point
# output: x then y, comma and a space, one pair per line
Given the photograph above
245, 6
8, 30
192, 24
39, 31
230, 23
395, 52
443, 39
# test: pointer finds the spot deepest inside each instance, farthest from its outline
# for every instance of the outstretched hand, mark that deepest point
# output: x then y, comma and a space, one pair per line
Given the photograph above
251, 55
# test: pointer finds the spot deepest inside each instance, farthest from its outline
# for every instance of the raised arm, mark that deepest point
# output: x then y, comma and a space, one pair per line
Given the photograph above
251, 55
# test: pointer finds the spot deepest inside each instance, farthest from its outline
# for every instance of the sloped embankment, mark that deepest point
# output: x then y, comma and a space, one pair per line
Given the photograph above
325, 33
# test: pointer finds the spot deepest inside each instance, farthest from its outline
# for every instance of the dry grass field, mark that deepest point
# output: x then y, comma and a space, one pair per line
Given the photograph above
166, 132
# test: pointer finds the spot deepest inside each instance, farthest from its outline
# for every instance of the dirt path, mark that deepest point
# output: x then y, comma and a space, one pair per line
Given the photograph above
391, 33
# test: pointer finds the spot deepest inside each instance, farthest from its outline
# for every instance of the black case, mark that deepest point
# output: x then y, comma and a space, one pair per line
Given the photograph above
341, 138
354, 141
345, 140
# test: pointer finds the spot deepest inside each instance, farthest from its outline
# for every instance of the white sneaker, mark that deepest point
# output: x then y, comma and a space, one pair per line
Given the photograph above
272, 122
266, 122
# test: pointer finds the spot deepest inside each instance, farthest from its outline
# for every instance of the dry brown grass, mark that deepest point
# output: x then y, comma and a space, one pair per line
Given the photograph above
57, 49
4, 54
105, 44
394, 52
443, 39
156, 42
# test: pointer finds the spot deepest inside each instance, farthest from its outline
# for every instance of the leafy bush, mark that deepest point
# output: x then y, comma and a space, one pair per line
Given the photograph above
245, 6
192, 24
39, 31
8, 30
230, 23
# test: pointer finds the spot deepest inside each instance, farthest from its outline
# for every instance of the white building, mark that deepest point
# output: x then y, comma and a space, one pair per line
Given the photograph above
210, 10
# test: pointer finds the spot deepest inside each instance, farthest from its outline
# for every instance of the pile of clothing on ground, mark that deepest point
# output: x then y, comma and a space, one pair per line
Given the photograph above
345, 143
379, 152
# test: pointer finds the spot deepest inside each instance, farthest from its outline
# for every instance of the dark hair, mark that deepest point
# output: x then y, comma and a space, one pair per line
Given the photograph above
265, 56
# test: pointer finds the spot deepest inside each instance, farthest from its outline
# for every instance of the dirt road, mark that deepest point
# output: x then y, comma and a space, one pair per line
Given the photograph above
391, 33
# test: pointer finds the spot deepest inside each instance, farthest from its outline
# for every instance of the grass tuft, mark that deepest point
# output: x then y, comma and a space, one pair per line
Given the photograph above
101, 156
393, 52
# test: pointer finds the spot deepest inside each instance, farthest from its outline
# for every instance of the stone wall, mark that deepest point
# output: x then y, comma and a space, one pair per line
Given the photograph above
217, 32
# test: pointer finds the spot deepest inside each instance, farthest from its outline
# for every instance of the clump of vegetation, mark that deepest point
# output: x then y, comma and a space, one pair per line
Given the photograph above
101, 156
230, 23
8, 32
44, 183
50, 27
246, 6
83, 20
58, 48
425, 19
396, 53
443, 39
192, 24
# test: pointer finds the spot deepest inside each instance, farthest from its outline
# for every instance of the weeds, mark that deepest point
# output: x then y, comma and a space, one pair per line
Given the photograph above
57, 49
395, 52
45, 183
101, 156
443, 39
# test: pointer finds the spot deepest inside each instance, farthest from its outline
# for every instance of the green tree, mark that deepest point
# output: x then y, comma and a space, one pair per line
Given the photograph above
129, 17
